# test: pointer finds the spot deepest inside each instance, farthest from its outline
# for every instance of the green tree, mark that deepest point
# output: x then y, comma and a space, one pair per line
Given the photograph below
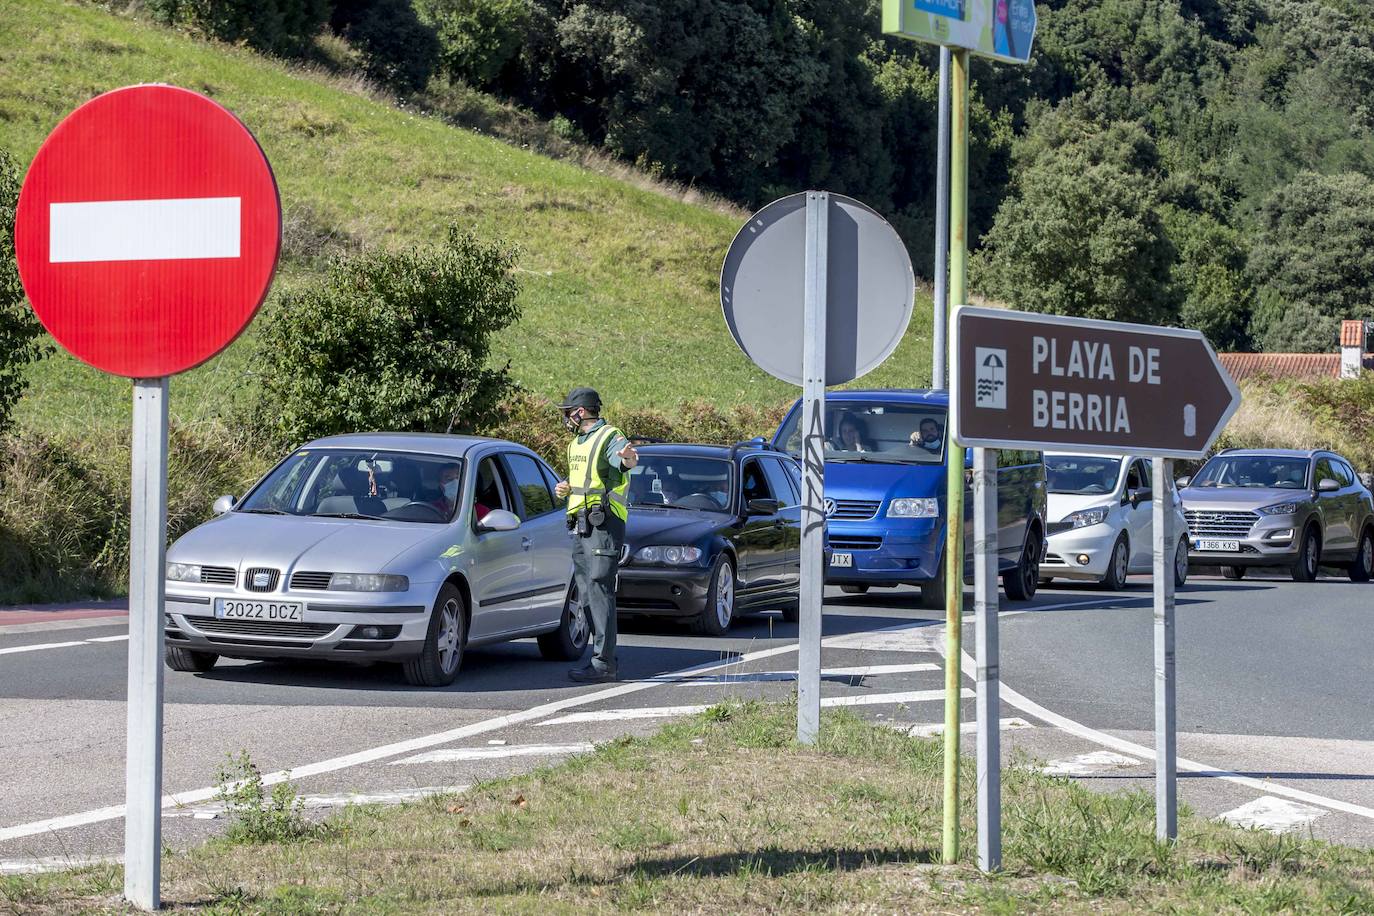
283, 27
398, 50
1218, 297
477, 38
390, 341
1312, 260
21, 336
1081, 234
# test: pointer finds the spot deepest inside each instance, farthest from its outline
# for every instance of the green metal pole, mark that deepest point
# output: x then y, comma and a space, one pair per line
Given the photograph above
954, 494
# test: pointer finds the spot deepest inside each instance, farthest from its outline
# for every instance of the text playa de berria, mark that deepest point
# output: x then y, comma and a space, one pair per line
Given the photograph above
1092, 361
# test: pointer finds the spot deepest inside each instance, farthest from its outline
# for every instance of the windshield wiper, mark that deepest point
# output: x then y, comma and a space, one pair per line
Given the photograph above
868, 459
375, 518
268, 511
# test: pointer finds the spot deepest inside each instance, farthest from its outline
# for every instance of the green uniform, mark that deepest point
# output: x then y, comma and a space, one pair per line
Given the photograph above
596, 477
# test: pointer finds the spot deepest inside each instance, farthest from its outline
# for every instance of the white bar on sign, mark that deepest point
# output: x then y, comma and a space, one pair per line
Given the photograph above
144, 230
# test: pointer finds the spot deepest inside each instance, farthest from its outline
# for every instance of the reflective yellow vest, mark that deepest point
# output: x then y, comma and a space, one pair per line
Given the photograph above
584, 474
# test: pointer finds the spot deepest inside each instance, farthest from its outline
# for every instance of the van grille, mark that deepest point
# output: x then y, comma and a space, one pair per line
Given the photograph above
855, 542
311, 580
1205, 524
855, 510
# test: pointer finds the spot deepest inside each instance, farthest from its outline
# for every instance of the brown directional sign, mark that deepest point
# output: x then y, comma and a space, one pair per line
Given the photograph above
1022, 380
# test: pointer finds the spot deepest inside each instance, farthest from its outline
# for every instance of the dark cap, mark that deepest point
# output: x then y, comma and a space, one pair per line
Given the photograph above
582, 397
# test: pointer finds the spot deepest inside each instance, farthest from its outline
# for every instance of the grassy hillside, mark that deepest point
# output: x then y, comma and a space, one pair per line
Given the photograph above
620, 283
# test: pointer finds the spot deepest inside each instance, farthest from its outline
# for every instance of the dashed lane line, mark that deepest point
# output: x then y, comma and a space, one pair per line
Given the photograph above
933, 729
13, 650
323, 802
1090, 764
1273, 814
459, 754
668, 712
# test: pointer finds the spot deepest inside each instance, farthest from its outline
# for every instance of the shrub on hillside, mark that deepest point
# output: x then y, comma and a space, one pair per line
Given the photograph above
390, 341
477, 38
398, 49
283, 27
21, 336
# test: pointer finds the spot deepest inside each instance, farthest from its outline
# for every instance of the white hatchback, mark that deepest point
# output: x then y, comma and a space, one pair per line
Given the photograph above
1102, 520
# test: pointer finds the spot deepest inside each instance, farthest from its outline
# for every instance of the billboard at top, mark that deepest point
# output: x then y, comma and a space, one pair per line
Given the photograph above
1000, 29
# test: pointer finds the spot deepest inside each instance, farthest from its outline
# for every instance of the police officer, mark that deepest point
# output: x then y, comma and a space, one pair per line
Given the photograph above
599, 460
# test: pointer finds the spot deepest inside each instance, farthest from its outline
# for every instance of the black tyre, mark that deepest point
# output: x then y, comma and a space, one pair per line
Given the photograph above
1363, 566
1046, 581
1309, 556
1119, 565
1181, 563
791, 611
854, 589
719, 611
569, 641
933, 592
442, 655
1020, 583
1233, 572
179, 659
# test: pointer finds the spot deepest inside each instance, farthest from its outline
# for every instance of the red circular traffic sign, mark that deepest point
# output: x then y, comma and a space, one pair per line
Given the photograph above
148, 230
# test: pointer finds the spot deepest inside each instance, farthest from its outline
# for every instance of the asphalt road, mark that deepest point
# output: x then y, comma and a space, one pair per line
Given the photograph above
1274, 689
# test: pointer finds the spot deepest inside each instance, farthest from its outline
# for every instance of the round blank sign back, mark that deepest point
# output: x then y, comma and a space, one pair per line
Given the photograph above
869, 293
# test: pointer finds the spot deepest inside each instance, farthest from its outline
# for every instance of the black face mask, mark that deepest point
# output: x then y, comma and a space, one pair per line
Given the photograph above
573, 426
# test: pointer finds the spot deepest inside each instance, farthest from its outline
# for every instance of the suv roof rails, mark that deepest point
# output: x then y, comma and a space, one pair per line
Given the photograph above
758, 442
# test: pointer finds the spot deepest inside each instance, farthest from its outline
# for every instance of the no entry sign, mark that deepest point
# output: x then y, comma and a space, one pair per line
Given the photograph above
148, 230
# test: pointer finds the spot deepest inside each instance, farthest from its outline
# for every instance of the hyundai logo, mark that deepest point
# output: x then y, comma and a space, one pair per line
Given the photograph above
830, 507
262, 580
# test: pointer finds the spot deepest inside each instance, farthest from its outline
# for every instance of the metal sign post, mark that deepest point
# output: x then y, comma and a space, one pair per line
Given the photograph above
1166, 712
988, 701
147, 565
941, 305
813, 461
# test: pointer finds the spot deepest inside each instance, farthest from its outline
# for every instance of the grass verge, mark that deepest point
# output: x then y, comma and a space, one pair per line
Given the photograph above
724, 813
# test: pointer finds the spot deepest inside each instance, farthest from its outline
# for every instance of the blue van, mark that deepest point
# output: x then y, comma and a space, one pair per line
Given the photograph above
885, 467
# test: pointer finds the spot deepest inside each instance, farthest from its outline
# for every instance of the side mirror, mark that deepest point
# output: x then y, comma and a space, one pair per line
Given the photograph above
1183, 482
763, 507
1327, 485
224, 504
498, 520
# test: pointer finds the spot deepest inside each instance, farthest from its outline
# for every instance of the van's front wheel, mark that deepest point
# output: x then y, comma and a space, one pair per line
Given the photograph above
1020, 583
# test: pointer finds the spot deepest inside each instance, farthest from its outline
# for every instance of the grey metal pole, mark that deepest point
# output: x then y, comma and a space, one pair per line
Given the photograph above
813, 461
147, 572
1166, 713
988, 701
941, 308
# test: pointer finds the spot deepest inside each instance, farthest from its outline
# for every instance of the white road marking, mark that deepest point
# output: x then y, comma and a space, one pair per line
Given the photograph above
318, 802
144, 230
1273, 814
456, 754
1089, 764
938, 728
666, 712
124, 638
41, 864
766, 676
47, 645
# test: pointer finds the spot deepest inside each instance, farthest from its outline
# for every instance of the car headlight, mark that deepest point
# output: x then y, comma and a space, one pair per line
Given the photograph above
671, 555
367, 582
1280, 509
1085, 517
924, 507
183, 572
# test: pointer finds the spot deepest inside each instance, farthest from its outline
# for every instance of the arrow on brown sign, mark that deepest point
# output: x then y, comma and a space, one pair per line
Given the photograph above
1023, 380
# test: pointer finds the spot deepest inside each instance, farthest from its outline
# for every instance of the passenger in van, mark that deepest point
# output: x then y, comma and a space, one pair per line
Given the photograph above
929, 436
853, 435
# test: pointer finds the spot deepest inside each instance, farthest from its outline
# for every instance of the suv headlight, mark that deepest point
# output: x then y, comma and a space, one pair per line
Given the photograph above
1280, 509
367, 582
924, 507
671, 555
1086, 517
183, 572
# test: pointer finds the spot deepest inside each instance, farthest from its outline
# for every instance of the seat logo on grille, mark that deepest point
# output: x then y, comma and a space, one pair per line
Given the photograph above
262, 580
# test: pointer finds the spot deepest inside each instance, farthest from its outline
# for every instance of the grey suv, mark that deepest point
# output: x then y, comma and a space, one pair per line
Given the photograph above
1279, 507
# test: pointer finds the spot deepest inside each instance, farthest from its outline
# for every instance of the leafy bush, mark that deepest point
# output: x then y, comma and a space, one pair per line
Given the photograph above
21, 336
392, 341
283, 27
259, 816
398, 49
477, 38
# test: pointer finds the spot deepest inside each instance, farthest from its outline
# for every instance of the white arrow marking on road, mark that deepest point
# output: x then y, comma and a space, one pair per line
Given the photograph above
144, 230
1272, 814
938, 728
455, 754
1089, 764
666, 712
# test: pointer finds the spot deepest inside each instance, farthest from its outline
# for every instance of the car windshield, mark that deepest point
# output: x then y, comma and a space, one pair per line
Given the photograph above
660, 481
354, 483
878, 431
1081, 476
1256, 471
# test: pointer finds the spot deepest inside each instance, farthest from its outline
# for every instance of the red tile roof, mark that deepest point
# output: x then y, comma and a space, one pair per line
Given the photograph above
1286, 365
1352, 333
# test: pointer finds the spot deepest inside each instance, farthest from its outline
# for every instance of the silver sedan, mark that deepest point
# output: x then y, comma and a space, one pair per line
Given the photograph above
382, 547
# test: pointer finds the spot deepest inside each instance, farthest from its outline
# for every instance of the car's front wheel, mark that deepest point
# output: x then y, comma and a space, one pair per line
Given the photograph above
1119, 565
442, 654
719, 610
569, 641
1309, 556
1020, 583
179, 659
1363, 566
1181, 563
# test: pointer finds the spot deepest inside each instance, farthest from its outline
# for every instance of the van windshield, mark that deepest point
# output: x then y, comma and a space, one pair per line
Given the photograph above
883, 432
